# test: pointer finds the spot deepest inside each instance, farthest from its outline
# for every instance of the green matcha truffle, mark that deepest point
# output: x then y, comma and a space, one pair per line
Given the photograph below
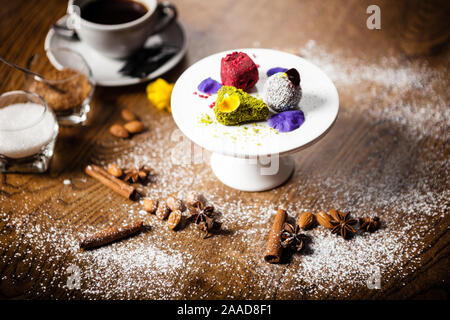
235, 106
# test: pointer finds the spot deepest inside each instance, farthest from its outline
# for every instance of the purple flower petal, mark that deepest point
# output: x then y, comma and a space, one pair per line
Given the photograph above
287, 121
209, 86
275, 70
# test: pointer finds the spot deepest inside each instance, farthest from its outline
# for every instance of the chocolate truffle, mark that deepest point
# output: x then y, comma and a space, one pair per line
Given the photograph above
282, 91
238, 70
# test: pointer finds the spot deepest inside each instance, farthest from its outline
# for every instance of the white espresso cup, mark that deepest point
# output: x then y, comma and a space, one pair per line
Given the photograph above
120, 40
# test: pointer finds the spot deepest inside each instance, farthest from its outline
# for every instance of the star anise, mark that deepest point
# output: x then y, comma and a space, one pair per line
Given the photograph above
342, 223
369, 224
202, 216
291, 237
134, 174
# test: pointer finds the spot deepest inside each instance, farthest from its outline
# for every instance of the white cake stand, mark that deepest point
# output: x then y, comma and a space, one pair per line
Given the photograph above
254, 157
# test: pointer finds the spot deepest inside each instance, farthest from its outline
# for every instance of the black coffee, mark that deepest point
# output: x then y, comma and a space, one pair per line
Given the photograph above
112, 11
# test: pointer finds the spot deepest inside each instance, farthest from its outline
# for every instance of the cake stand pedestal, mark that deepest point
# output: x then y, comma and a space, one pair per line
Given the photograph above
254, 157
252, 174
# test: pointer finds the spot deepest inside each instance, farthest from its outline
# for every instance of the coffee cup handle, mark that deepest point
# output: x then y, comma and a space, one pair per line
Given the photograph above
167, 19
70, 23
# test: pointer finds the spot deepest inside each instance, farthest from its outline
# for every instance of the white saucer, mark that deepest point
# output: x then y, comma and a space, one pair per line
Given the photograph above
106, 70
229, 144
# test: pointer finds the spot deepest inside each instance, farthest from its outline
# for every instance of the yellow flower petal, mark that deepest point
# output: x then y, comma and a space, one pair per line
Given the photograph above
159, 93
229, 103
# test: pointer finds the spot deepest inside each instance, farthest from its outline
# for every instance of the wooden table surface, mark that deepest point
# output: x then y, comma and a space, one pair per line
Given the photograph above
387, 155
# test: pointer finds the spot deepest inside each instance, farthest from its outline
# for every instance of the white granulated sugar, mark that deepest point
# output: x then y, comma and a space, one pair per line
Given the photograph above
402, 184
25, 128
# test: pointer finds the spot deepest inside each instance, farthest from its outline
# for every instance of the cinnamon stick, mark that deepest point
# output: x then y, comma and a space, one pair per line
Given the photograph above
109, 235
274, 249
110, 181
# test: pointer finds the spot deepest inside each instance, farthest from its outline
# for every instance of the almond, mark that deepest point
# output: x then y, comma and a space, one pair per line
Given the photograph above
150, 205
134, 126
118, 131
324, 219
163, 210
175, 204
128, 115
335, 214
114, 170
174, 219
305, 220
193, 198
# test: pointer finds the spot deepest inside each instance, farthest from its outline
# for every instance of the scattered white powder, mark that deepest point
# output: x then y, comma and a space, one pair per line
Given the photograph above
402, 180
25, 129
405, 92
353, 71
133, 263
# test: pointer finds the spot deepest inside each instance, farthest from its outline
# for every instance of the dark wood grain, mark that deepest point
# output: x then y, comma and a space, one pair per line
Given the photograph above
357, 145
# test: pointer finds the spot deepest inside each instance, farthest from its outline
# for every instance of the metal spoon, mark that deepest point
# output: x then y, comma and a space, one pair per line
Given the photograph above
36, 76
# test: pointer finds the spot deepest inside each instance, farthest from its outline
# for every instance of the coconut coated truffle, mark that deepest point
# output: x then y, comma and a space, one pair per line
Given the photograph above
282, 91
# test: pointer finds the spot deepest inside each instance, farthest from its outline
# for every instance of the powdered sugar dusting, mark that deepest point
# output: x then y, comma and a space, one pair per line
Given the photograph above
133, 262
401, 178
407, 91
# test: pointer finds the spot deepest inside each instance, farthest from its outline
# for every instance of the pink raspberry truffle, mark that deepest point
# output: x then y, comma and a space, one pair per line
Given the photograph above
238, 70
